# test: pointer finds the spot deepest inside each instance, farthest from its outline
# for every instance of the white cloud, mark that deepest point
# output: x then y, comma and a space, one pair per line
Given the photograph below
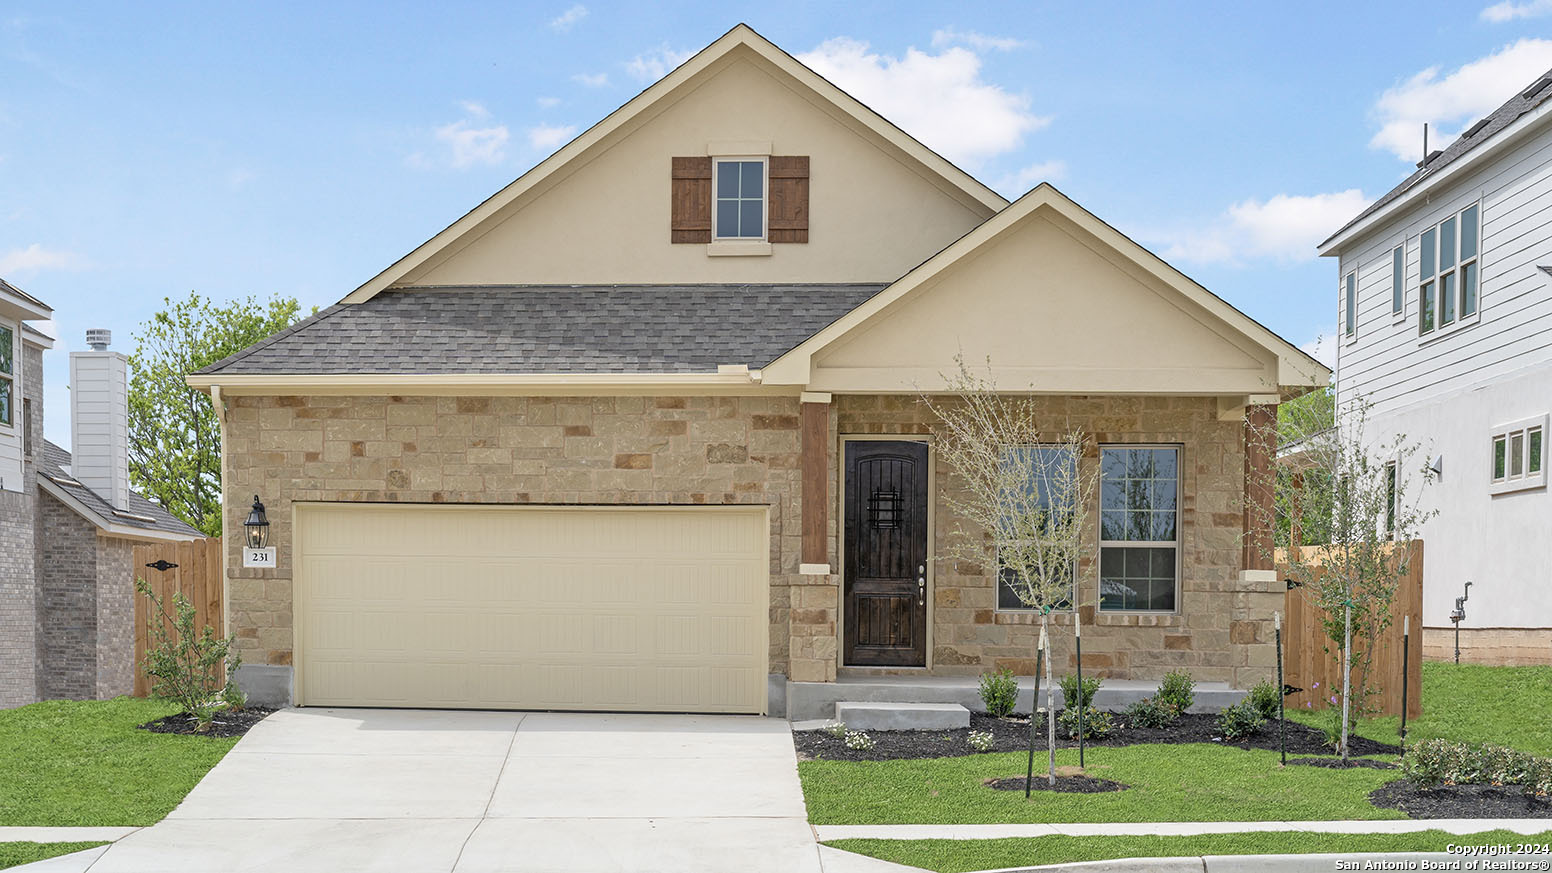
568, 19
35, 258
950, 36
655, 64
49, 327
1323, 347
939, 99
591, 80
239, 177
1449, 103
474, 109
548, 137
1284, 228
470, 145
1509, 11
1020, 181
548, 102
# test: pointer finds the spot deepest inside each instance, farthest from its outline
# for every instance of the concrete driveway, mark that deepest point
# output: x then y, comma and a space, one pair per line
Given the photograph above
413, 790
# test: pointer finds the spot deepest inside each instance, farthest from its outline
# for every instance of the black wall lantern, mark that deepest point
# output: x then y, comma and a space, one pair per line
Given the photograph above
257, 526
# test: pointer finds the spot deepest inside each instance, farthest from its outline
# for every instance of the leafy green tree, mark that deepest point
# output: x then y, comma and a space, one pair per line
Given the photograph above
174, 440
1304, 491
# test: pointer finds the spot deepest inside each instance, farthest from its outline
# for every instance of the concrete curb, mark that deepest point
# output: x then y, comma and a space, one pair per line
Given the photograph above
1324, 863
826, 833
62, 835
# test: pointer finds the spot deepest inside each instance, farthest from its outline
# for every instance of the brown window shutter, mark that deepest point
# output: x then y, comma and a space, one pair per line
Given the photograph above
788, 221
690, 221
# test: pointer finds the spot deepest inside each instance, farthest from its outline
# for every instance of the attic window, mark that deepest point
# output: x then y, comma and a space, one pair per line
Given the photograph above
739, 192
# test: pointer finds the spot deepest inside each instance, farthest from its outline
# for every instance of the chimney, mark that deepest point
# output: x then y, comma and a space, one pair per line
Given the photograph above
99, 419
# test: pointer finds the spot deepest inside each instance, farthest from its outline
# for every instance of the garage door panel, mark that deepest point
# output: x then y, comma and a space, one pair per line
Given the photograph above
577, 608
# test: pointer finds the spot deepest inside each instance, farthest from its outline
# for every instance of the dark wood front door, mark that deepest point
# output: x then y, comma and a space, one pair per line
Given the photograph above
886, 553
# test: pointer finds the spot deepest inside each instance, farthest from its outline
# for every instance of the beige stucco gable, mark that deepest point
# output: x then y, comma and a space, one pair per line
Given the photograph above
1061, 303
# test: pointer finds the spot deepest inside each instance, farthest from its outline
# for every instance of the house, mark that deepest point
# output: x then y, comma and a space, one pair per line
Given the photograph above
67, 524
641, 431
1445, 327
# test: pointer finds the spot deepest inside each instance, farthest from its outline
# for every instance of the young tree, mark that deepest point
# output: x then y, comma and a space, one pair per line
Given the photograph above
174, 441
1366, 503
1022, 503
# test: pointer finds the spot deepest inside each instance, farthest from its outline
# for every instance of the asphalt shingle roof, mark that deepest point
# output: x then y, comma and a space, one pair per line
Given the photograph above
552, 329
55, 463
1523, 101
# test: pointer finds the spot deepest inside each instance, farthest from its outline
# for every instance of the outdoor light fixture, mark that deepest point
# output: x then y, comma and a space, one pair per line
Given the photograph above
257, 526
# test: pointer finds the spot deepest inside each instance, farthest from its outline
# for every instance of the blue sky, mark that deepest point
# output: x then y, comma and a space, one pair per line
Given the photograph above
147, 150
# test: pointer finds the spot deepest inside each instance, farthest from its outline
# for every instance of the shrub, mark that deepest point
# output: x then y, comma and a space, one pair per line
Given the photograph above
982, 741
999, 691
835, 729
1240, 720
1176, 690
1265, 696
1069, 685
184, 664
1150, 712
1096, 724
859, 741
1434, 762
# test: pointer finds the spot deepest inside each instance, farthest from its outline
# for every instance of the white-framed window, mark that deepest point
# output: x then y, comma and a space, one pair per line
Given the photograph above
1052, 464
1398, 281
1390, 500
1139, 528
8, 392
1350, 305
1449, 272
738, 198
1519, 456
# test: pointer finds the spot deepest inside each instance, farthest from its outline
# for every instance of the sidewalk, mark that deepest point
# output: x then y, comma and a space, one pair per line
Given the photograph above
63, 835
826, 833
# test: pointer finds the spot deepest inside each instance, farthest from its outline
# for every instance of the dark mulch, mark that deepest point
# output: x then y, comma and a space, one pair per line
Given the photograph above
1012, 735
1339, 764
225, 724
1074, 784
1461, 801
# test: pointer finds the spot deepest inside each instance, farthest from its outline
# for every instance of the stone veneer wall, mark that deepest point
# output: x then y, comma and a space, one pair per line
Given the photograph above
540, 450
115, 618
1222, 630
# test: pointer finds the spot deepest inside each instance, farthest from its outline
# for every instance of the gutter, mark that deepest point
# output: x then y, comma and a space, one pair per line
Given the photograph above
729, 378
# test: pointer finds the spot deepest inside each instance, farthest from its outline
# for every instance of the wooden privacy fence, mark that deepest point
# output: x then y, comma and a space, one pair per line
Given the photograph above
197, 576
1306, 662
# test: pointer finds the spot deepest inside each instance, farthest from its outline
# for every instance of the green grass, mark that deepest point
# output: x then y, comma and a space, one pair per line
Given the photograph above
84, 763
1196, 782
1510, 706
959, 856
16, 854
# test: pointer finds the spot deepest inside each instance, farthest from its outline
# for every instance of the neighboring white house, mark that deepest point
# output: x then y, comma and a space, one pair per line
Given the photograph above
1444, 300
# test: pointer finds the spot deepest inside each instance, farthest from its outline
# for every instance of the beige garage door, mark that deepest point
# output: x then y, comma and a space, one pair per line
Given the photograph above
652, 609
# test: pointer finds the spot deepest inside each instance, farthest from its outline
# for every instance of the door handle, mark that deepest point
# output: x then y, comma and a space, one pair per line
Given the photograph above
921, 585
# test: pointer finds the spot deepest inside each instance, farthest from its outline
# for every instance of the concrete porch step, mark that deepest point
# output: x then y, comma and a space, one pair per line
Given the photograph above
881, 716
818, 700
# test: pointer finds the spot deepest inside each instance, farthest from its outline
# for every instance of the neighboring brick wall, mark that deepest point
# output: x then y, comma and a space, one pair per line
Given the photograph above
67, 603
18, 600
540, 450
1223, 626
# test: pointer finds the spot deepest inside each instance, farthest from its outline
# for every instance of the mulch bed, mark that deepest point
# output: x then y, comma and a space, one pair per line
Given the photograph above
225, 724
1339, 764
1076, 784
1460, 801
1011, 734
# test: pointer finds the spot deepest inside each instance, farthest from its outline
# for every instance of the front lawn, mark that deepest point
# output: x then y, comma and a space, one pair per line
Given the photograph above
960, 856
1510, 706
1197, 782
84, 763
16, 854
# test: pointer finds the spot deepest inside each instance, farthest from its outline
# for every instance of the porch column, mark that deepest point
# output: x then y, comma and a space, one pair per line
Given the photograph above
1260, 449
816, 589
1258, 593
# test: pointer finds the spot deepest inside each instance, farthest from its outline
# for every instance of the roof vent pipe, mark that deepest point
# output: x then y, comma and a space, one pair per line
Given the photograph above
99, 338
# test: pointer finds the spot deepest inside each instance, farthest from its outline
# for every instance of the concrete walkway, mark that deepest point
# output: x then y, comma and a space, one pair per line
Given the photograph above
480, 792
826, 833
63, 835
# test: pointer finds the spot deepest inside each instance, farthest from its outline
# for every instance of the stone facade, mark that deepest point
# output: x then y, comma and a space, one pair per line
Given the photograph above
542, 450
1222, 629
743, 450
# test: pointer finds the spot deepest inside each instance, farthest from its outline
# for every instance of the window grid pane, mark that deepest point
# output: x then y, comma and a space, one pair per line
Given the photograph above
1425, 308
1352, 304
1468, 290
1468, 234
1447, 245
1533, 451
1425, 259
5, 401
1500, 451
1398, 279
1447, 298
1139, 528
1516, 454
7, 351
740, 199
